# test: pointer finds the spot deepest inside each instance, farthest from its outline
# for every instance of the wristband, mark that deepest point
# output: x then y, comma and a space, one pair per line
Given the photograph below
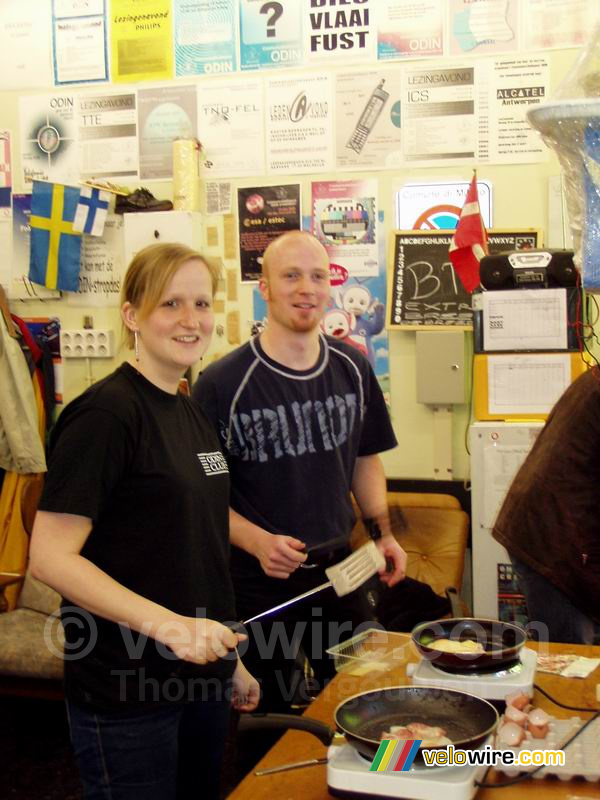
373, 529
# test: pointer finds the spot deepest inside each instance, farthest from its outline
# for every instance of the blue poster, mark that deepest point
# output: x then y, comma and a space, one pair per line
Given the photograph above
204, 37
270, 34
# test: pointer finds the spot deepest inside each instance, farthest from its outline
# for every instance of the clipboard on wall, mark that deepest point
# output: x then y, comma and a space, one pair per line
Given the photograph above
521, 386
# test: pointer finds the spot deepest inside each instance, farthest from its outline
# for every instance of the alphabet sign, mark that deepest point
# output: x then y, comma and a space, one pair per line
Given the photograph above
424, 290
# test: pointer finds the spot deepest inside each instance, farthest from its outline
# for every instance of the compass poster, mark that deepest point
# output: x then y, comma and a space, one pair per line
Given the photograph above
49, 139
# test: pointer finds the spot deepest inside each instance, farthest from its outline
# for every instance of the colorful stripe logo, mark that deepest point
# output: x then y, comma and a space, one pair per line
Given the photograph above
395, 755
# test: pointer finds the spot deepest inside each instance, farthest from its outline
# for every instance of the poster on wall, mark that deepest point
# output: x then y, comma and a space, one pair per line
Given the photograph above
270, 34
231, 127
102, 267
80, 51
515, 86
48, 128
557, 23
410, 29
335, 31
299, 129
264, 213
25, 53
107, 135
141, 42
344, 220
439, 123
165, 113
205, 40
437, 206
368, 120
483, 28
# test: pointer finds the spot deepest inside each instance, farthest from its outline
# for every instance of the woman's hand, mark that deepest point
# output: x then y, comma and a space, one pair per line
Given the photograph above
246, 690
199, 640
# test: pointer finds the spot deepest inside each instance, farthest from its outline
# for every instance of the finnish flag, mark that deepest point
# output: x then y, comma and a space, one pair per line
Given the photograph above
92, 208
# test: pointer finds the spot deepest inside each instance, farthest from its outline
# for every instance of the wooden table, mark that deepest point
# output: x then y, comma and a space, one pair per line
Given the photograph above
310, 783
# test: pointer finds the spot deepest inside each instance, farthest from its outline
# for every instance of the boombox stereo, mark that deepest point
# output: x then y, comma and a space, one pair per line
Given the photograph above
528, 269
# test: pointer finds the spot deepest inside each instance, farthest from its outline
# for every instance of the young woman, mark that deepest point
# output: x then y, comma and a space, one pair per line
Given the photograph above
132, 530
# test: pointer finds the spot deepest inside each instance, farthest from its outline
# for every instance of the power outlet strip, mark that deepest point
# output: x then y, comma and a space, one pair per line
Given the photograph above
87, 343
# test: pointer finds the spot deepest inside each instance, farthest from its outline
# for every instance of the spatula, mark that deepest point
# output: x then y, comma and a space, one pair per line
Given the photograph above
344, 577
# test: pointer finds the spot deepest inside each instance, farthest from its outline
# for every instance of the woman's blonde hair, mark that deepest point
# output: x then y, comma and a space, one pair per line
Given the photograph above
149, 274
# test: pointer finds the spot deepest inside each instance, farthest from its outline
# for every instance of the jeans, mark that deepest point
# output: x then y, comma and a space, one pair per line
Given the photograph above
158, 753
550, 612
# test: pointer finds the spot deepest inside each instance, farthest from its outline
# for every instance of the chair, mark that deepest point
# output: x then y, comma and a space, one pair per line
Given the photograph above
31, 654
434, 538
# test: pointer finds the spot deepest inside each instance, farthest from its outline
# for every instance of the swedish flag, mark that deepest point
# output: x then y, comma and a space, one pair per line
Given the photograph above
55, 254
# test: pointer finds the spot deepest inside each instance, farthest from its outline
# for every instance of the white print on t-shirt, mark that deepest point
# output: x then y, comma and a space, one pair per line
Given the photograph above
213, 463
310, 427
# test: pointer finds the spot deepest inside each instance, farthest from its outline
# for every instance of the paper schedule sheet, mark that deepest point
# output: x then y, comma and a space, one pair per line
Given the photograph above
527, 384
525, 319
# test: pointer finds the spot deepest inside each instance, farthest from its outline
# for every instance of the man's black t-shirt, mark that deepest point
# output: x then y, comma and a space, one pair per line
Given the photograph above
147, 468
292, 437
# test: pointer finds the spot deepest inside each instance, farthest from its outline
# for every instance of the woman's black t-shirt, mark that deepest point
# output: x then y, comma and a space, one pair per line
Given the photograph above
147, 468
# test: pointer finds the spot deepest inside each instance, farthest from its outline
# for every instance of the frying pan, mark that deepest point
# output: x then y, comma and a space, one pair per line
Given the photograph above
501, 641
365, 717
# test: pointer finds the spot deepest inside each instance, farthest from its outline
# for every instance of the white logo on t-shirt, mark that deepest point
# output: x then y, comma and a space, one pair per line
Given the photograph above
213, 463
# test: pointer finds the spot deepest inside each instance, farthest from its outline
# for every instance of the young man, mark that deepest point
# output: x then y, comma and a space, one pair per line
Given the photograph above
301, 419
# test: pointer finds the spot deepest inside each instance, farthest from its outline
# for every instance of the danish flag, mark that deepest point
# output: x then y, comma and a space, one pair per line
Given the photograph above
469, 243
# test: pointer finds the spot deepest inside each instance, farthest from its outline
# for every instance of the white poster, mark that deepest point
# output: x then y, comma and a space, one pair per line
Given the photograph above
410, 28
515, 86
231, 128
108, 135
335, 31
79, 38
102, 267
165, 113
439, 119
25, 44
48, 138
488, 26
299, 123
558, 23
368, 119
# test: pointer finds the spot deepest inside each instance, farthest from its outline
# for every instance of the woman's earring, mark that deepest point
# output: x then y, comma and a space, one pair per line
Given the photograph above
136, 346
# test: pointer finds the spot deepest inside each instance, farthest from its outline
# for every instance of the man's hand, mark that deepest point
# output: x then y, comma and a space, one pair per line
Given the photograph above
279, 555
394, 554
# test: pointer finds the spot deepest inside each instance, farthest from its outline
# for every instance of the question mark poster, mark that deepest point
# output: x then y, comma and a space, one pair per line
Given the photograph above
270, 34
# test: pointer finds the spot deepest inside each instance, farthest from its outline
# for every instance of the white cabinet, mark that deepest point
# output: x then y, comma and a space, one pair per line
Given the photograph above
497, 451
144, 228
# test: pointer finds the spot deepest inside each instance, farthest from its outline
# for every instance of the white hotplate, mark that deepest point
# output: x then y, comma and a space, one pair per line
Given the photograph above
489, 685
348, 776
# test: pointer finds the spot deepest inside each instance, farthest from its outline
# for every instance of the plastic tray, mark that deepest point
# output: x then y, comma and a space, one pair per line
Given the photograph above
373, 650
582, 757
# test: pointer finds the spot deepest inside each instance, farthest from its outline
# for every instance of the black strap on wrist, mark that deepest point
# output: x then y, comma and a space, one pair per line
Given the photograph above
373, 528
